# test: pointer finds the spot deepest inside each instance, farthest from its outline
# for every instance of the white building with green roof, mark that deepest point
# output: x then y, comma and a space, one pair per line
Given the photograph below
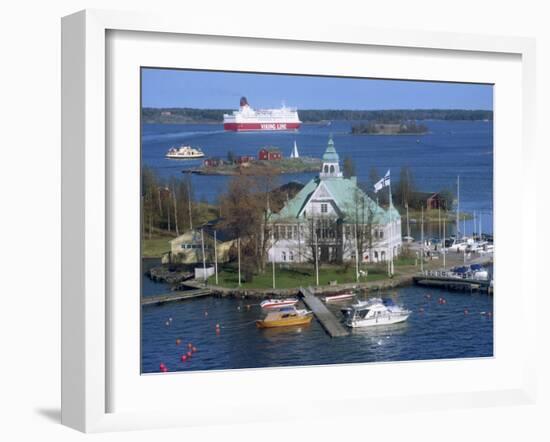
332, 215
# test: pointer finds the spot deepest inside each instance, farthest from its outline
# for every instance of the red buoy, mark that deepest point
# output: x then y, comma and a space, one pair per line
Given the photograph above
189, 354
178, 341
183, 358
189, 345
194, 349
466, 311
161, 365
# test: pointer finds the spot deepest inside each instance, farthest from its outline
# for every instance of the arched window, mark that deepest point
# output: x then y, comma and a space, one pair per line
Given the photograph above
331, 169
326, 168
283, 255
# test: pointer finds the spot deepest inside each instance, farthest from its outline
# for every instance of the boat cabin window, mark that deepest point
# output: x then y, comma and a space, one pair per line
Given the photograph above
362, 313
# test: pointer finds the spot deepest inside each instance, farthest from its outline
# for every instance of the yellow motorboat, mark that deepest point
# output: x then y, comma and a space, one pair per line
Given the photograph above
285, 317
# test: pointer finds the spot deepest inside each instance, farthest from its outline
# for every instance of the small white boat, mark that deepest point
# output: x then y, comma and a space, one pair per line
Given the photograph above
184, 153
374, 312
277, 303
338, 298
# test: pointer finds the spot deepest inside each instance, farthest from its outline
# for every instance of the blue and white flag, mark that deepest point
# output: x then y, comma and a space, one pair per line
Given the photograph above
385, 181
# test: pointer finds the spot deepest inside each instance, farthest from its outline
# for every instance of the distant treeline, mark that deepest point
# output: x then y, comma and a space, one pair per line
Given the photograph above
191, 115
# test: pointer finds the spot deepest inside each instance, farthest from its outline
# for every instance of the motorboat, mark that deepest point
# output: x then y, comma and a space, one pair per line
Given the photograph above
285, 317
375, 311
184, 153
337, 298
474, 271
277, 303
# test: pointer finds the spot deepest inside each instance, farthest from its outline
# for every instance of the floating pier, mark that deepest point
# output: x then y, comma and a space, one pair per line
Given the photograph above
330, 323
175, 296
470, 285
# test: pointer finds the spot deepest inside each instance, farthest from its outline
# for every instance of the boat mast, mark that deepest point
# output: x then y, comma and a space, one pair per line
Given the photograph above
439, 220
422, 240
443, 246
391, 230
457, 206
480, 226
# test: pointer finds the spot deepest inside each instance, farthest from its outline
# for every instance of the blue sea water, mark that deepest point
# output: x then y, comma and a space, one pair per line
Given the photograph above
433, 331
451, 148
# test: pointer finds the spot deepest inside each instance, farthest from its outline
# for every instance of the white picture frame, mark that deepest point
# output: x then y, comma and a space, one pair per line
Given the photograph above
86, 217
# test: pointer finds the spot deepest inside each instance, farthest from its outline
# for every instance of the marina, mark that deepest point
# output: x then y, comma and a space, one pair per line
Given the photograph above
434, 330
351, 248
326, 318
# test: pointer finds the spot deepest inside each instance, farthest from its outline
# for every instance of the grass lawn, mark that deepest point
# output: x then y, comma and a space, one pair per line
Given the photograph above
296, 276
156, 246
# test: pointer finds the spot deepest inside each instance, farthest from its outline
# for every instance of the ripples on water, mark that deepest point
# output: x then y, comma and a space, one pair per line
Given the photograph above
439, 331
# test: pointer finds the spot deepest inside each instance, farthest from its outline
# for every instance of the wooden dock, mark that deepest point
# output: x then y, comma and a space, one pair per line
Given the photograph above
470, 285
175, 296
330, 323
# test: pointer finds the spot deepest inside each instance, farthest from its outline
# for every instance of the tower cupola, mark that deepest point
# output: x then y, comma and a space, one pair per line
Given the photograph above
331, 162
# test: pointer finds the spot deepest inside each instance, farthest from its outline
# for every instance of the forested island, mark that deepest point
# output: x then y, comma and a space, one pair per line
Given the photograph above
205, 116
389, 128
260, 167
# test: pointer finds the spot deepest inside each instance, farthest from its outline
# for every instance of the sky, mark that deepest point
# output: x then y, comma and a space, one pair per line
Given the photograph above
222, 90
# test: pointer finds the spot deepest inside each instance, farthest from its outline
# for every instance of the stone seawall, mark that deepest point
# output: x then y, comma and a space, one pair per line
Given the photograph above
374, 286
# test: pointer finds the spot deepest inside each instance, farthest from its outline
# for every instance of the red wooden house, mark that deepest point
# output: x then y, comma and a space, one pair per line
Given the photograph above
269, 154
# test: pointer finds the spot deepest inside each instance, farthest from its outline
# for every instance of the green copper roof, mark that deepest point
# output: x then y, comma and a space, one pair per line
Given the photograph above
330, 155
293, 207
355, 205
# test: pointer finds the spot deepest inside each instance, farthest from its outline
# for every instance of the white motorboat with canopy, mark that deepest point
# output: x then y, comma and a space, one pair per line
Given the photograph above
375, 311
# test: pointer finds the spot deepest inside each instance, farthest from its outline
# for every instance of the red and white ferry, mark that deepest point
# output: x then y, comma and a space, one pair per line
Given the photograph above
277, 303
249, 119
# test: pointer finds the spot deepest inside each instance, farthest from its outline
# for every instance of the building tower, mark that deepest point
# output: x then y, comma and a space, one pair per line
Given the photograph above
331, 162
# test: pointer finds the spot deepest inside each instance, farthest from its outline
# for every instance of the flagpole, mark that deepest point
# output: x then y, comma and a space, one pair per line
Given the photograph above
216, 256
356, 256
239, 257
316, 256
203, 256
273, 258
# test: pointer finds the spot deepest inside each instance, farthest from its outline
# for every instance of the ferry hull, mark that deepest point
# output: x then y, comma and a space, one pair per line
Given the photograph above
249, 127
